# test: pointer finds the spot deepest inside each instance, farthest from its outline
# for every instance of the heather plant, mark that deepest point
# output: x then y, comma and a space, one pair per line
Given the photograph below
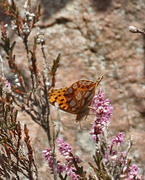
35, 102
111, 160
16, 152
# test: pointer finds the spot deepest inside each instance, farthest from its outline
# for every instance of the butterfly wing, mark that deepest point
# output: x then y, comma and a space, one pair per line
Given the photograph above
72, 99
76, 98
58, 95
81, 94
65, 97
84, 95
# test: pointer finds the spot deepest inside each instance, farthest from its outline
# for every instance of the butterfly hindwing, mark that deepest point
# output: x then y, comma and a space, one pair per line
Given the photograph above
84, 93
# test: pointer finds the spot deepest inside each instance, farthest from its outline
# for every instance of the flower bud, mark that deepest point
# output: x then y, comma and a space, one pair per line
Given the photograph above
133, 29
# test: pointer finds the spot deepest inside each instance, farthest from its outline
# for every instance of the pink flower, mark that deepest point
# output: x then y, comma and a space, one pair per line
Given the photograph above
47, 155
60, 167
133, 170
64, 148
118, 139
73, 175
132, 173
103, 110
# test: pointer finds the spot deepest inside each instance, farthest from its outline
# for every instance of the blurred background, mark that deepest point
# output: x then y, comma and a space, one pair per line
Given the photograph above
93, 39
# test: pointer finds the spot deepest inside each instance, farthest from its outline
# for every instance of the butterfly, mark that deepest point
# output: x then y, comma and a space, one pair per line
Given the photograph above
76, 98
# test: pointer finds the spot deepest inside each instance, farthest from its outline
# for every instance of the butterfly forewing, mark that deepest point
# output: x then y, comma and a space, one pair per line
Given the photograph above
76, 98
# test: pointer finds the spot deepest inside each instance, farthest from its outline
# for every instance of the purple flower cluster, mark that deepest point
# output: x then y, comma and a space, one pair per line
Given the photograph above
132, 173
118, 139
113, 154
66, 150
103, 110
117, 158
47, 155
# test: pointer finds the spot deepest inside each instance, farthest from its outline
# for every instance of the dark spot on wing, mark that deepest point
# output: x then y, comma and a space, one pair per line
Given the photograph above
64, 107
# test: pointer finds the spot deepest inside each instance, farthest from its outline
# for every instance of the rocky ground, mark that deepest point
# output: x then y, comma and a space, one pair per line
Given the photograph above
93, 39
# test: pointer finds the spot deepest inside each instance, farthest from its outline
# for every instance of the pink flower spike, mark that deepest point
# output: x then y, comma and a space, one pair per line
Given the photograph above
103, 110
64, 148
47, 155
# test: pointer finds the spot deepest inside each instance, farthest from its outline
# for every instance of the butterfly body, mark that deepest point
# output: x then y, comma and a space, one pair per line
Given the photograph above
76, 98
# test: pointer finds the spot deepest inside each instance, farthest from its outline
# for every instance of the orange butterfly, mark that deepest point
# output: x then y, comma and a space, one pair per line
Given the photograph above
76, 98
